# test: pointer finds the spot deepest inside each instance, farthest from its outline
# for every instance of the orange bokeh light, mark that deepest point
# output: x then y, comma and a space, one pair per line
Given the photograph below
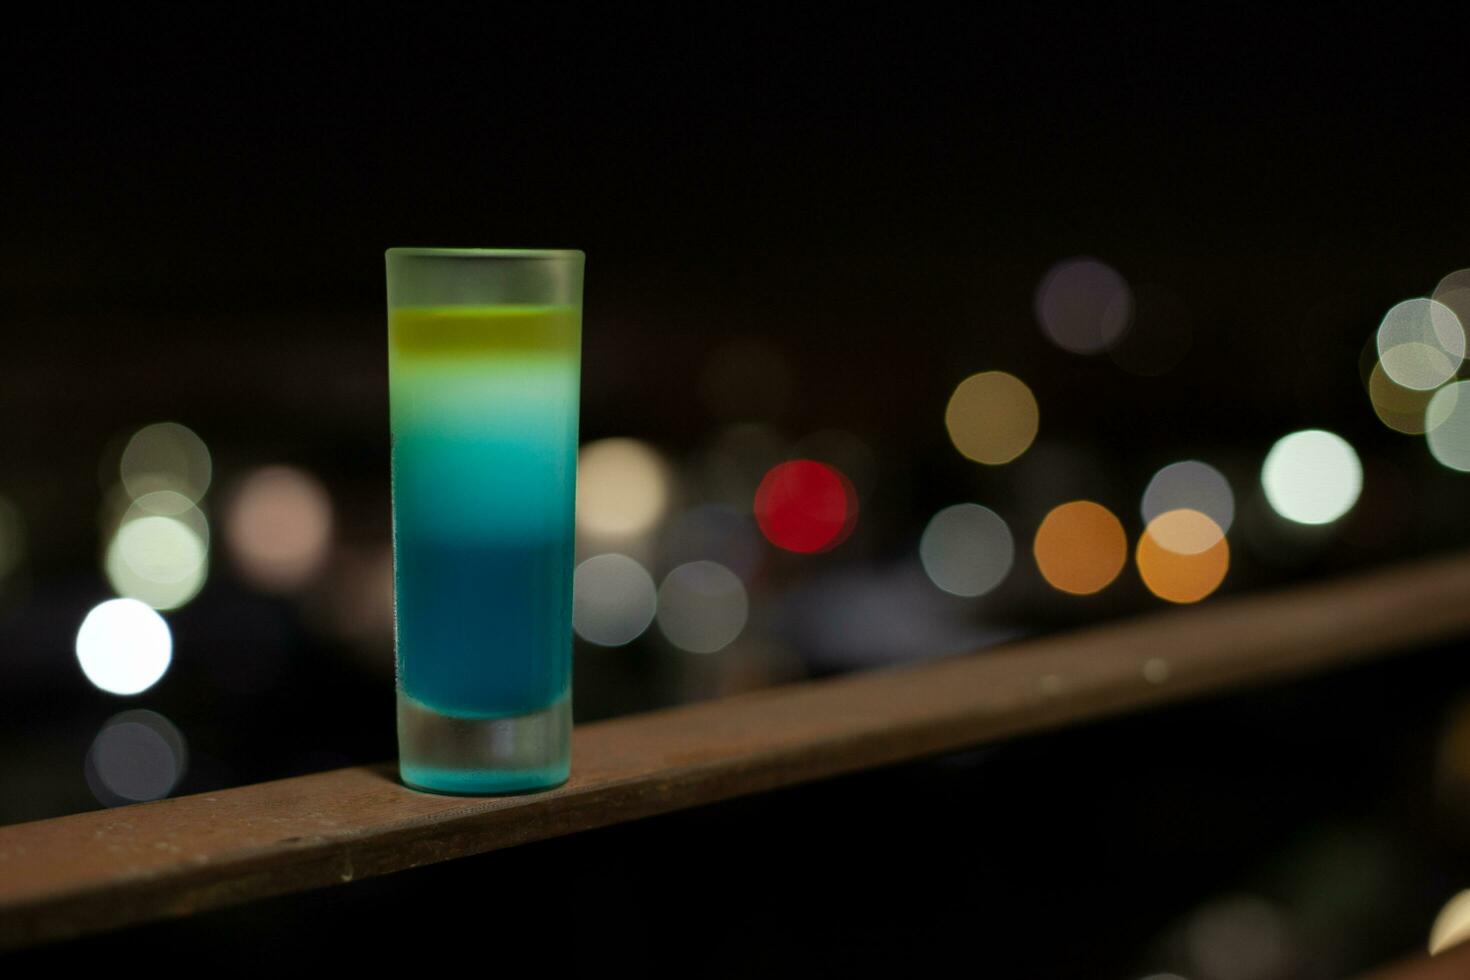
1182, 574
1080, 547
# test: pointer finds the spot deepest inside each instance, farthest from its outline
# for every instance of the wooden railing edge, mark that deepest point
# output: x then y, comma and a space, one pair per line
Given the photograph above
91, 871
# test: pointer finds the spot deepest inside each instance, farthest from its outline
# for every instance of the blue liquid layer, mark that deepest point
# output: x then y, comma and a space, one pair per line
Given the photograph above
484, 630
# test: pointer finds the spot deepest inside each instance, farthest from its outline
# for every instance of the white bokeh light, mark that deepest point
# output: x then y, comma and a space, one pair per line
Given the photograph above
702, 607
1312, 477
1421, 343
162, 561
967, 550
124, 646
613, 600
1447, 425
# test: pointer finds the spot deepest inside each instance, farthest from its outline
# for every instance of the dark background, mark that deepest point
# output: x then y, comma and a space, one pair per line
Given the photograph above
194, 214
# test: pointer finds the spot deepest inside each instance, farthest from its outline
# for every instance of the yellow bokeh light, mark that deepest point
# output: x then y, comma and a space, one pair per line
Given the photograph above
1182, 556
1399, 408
623, 488
1452, 925
1080, 547
992, 417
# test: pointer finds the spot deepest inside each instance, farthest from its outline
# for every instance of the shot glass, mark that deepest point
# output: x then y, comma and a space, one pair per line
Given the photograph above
484, 369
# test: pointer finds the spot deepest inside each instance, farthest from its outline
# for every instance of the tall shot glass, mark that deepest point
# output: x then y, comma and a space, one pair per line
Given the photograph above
484, 367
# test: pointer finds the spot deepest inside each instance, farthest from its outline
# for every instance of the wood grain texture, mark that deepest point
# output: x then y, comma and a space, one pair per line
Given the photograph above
108, 868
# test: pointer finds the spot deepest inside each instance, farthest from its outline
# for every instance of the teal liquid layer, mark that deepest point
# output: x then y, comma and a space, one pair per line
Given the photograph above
478, 782
484, 462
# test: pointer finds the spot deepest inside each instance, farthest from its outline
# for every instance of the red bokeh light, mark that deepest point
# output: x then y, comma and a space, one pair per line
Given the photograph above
805, 506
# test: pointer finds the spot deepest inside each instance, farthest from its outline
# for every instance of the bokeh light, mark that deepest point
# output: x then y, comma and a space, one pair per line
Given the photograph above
1083, 305
702, 607
1242, 936
613, 600
805, 506
166, 456
967, 550
1454, 292
1447, 421
1193, 485
169, 503
992, 417
1401, 409
1420, 343
1182, 556
137, 756
1312, 477
1080, 547
1452, 924
160, 560
623, 488
279, 528
124, 646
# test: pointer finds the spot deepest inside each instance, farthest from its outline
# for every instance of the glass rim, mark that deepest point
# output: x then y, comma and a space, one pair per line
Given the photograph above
487, 253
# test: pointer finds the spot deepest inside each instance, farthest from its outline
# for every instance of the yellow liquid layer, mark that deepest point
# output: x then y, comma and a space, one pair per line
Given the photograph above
459, 331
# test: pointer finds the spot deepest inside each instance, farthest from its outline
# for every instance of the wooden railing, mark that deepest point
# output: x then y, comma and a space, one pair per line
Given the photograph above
99, 870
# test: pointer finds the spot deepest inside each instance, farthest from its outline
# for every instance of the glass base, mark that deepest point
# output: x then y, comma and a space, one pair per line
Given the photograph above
443, 753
